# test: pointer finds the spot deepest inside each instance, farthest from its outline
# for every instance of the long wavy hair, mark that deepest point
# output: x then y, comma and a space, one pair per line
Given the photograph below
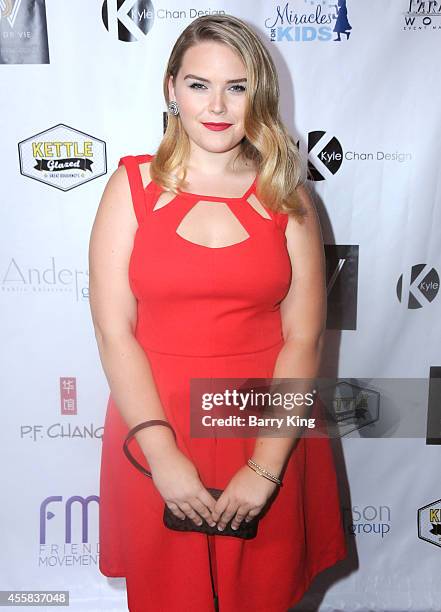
266, 142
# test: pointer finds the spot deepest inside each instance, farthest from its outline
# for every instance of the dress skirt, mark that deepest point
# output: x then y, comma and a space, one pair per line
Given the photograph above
167, 570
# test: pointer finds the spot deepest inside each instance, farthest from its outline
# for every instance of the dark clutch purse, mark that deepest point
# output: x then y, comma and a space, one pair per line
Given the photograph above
245, 530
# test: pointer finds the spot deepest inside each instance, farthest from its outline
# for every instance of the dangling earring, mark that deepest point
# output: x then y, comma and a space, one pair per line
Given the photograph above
173, 108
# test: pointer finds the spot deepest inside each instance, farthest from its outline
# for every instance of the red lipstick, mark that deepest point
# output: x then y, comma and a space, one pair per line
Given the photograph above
217, 126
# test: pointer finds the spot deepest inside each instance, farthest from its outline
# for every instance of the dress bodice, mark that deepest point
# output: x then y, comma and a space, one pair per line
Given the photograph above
235, 289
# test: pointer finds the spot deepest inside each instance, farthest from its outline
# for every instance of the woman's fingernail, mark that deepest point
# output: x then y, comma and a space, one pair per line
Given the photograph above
232, 527
220, 527
212, 524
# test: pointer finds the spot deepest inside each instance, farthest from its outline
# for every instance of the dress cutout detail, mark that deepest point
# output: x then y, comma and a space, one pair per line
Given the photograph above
207, 312
217, 215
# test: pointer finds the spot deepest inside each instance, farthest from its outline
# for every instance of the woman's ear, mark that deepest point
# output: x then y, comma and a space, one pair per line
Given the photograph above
171, 89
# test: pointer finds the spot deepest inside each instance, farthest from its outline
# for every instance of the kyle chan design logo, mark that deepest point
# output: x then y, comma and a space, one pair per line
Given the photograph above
429, 523
325, 155
128, 20
62, 157
423, 286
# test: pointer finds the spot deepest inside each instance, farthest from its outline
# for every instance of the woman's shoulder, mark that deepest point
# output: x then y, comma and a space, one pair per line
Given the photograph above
133, 162
135, 158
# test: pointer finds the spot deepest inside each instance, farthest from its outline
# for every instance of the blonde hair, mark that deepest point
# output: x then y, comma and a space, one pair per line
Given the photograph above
267, 142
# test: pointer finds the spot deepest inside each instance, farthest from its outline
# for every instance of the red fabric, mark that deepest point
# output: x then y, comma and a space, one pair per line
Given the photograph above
215, 313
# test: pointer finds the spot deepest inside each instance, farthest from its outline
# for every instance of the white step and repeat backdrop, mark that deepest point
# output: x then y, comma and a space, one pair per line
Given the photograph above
81, 86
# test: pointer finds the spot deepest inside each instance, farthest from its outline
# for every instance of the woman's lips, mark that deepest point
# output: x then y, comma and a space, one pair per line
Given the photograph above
217, 126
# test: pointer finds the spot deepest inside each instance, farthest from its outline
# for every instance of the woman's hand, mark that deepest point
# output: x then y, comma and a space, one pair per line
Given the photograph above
178, 482
243, 498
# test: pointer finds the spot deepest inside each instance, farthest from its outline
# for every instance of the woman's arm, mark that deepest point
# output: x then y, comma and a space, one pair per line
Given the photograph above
114, 314
303, 314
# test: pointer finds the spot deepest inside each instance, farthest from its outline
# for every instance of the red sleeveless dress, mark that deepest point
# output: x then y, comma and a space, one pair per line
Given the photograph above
211, 312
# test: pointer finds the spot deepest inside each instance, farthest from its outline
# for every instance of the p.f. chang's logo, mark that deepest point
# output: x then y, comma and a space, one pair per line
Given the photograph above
62, 157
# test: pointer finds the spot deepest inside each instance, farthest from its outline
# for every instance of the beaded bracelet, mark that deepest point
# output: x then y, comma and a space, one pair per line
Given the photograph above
263, 472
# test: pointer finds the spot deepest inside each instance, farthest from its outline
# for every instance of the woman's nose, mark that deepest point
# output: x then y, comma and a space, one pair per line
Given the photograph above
217, 102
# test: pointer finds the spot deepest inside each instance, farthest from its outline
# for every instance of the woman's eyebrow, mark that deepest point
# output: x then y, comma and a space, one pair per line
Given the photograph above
193, 76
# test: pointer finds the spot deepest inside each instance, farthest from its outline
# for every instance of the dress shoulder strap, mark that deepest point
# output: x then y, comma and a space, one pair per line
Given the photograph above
131, 164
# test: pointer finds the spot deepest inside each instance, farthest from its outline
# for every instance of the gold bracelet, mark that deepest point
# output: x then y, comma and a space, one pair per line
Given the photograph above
263, 472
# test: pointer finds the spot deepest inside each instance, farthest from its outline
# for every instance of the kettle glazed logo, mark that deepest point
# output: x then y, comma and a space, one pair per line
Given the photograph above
62, 157
317, 20
429, 523
350, 407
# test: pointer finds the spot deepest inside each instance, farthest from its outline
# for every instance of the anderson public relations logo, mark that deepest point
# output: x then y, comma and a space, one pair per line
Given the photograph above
62, 157
29, 277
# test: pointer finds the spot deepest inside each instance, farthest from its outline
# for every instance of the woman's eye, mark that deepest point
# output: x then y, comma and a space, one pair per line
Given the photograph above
242, 88
200, 85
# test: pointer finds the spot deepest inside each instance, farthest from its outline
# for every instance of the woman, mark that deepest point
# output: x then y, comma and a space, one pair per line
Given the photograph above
342, 25
206, 261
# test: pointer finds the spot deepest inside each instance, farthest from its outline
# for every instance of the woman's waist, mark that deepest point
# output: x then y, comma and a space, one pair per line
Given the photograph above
207, 352
201, 335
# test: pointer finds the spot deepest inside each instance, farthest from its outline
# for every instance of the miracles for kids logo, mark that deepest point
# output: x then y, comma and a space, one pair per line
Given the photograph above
321, 20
